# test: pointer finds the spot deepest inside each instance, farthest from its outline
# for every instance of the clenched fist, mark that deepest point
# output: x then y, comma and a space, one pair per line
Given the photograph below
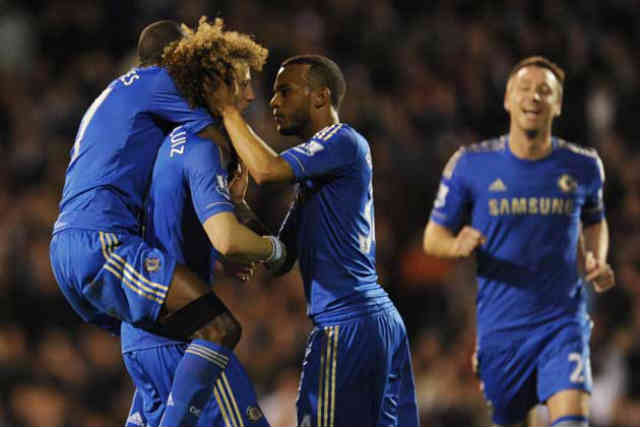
599, 273
466, 241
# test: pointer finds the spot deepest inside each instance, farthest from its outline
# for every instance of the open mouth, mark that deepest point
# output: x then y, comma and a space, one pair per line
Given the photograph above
531, 114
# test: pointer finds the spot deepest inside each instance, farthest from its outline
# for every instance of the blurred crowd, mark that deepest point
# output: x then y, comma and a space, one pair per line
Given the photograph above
423, 78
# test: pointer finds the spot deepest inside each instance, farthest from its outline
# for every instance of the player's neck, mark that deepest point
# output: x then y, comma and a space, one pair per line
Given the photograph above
530, 146
320, 121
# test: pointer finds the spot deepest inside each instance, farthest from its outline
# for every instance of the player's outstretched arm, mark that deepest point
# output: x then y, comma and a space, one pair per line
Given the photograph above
598, 271
264, 164
239, 244
441, 242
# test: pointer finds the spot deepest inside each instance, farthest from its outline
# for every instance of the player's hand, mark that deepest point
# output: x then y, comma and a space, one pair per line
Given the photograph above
600, 274
219, 94
466, 241
239, 184
242, 272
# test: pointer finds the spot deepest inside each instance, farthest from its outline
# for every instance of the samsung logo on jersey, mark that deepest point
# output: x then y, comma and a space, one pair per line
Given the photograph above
530, 206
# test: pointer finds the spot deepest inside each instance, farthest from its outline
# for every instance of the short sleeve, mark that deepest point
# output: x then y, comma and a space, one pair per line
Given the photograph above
453, 195
330, 152
208, 180
593, 210
170, 105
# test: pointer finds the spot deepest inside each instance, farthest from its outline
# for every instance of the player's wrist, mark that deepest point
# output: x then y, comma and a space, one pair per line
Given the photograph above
278, 254
228, 110
276, 249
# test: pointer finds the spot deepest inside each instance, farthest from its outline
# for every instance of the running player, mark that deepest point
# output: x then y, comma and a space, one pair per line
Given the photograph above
519, 203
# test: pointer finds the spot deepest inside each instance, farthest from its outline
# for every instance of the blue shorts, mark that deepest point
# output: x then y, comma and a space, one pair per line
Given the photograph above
358, 372
524, 372
152, 371
111, 277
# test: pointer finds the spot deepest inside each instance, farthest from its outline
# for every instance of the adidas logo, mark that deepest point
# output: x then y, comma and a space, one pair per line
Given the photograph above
170, 400
497, 185
135, 419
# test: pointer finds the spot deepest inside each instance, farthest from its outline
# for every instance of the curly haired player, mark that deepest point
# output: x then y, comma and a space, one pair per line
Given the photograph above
104, 267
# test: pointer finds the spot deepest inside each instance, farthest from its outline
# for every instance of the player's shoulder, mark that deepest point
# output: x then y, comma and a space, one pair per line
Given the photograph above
583, 157
339, 132
577, 151
330, 132
152, 71
475, 152
152, 77
339, 136
488, 146
136, 75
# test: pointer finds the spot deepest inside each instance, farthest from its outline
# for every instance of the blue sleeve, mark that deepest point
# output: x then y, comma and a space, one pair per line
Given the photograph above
593, 210
167, 103
454, 197
328, 153
208, 181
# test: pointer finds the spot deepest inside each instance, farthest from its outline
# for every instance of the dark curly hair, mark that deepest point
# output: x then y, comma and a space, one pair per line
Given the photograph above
207, 51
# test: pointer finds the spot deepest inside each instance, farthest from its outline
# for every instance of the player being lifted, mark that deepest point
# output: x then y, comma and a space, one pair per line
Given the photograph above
106, 271
189, 214
527, 196
357, 370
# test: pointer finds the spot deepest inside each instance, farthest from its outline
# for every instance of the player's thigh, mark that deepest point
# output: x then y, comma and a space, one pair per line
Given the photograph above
398, 405
402, 373
185, 287
76, 258
133, 281
344, 376
564, 379
509, 382
152, 371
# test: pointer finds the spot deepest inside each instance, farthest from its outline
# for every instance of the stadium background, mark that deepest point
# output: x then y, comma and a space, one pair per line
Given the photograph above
422, 80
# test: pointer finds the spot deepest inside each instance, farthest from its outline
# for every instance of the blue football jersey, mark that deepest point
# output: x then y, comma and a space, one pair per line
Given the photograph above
530, 212
188, 186
114, 149
333, 219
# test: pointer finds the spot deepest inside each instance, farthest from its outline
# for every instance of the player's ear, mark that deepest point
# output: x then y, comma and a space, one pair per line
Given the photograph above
321, 97
506, 97
506, 101
557, 106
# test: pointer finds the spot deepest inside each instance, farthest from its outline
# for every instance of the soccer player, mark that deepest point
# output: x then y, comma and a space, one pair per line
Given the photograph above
519, 203
190, 215
357, 369
106, 271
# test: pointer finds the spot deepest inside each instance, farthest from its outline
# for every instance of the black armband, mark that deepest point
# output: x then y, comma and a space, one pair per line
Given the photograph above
182, 324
